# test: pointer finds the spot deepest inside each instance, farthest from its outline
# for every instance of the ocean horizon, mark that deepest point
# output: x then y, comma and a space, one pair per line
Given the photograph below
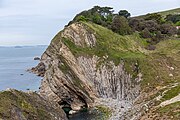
14, 63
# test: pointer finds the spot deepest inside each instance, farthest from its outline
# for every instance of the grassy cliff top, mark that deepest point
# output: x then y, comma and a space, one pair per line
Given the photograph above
110, 44
167, 12
154, 65
164, 13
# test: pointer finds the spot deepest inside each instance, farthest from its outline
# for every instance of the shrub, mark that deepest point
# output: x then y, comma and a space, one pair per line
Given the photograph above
137, 24
146, 34
173, 18
151, 25
120, 25
154, 16
178, 23
150, 47
81, 18
159, 35
168, 29
178, 32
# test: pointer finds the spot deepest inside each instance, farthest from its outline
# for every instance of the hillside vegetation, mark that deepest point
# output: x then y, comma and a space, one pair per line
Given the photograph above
18, 105
167, 12
154, 27
110, 44
130, 66
153, 42
154, 65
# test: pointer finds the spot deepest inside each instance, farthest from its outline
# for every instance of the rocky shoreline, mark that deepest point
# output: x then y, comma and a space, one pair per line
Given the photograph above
68, 76
78, 74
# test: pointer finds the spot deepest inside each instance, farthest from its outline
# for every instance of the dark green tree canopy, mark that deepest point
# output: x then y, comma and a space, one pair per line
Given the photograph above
124, 13
98, 15
103, 11
152, 26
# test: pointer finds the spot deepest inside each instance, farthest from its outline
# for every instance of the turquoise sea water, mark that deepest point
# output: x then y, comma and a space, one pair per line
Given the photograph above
14, 61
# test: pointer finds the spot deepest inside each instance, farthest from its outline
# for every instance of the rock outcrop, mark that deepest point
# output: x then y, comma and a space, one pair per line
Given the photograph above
87, 65
84, 78
39, 70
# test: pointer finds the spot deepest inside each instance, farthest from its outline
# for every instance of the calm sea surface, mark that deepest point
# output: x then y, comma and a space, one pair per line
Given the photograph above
14, 61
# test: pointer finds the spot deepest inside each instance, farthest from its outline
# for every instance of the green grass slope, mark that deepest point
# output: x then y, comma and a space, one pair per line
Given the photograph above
16, 105
164, 13
167, 12
160, 68
154, 65
131, 49
110, 44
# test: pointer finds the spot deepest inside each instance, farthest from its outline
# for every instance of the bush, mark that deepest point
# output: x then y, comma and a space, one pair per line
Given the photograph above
120, 25
168, 29
150, 47
178, 32
154, 16
146, 34
81, 18
178, 23
173, 18
159, 35
151, 25
137, 24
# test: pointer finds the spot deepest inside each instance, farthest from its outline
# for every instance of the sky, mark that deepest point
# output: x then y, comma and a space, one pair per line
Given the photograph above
36, 22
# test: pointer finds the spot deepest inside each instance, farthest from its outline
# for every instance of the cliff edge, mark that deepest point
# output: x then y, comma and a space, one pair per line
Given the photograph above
91, 66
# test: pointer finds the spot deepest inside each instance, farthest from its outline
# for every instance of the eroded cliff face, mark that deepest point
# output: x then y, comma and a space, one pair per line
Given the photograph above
84, 78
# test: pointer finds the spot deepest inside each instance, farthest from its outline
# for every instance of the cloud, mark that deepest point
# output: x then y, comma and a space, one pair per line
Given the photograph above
37, 21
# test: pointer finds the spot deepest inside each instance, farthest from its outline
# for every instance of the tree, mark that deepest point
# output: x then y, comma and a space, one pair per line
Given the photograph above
124, 13
96, 18
105, 11
120, 25
99, 15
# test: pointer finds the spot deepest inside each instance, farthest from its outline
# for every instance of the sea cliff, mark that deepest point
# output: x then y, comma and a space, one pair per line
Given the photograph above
93, 66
